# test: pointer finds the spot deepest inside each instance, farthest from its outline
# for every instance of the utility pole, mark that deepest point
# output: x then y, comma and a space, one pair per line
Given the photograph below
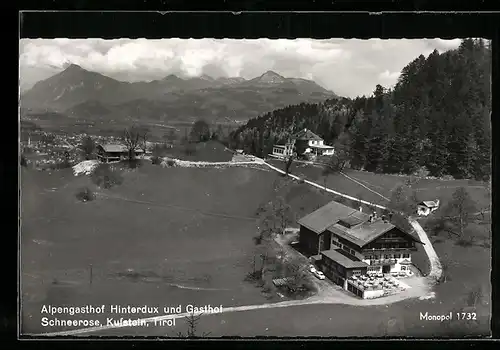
90, 274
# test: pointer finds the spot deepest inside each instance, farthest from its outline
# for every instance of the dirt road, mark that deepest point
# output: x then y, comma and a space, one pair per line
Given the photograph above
436, 268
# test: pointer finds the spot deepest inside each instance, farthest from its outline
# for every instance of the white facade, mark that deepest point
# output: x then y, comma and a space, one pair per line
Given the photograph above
328, 152
422, 210
372, 294
397, 261
427, 207
283, 150
315, 143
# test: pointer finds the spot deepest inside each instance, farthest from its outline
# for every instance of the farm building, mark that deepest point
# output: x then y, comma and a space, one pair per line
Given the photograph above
114, 152
346, 242
426, 207
306, 144
281, 151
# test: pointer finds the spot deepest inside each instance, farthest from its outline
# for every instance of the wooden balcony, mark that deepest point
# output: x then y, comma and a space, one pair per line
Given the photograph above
373, 250
382, 262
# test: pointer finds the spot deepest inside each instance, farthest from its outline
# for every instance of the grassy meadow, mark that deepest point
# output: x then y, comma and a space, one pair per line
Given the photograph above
189, 242
170, 236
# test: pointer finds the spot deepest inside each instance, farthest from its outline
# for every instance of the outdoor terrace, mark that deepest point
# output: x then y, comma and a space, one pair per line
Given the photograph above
372, 283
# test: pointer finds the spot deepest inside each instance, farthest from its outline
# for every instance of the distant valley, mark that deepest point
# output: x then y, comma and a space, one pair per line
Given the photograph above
82, 94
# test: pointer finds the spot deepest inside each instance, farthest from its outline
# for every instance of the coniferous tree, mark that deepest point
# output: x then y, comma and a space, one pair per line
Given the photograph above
437, 116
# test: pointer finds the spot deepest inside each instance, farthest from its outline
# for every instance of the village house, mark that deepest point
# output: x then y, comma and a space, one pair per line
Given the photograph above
282, 151
347, 242
114, 152
305, 143
426, 207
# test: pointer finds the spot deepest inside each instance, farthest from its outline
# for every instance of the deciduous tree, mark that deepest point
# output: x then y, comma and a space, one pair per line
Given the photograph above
88, 146
131, 138
288, 164
460, 209
200, 131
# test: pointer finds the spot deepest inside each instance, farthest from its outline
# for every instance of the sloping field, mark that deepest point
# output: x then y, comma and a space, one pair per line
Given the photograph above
427, 189
210, 151
335, 182
191, 243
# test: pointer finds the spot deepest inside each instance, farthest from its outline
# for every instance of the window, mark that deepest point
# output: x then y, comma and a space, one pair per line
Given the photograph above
397, 256
387, 256
356, 272
406, 256
403, 268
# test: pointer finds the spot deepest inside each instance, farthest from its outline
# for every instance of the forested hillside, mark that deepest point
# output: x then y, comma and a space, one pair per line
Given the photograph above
437, 116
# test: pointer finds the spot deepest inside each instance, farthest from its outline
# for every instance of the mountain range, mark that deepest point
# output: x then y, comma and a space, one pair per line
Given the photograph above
82, 94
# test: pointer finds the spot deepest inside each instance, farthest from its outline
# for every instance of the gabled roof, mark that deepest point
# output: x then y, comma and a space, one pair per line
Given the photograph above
429, 204
322, 146
319, 220
306, 135
350, 221
367, 232
114, 148
362, 232
347, 262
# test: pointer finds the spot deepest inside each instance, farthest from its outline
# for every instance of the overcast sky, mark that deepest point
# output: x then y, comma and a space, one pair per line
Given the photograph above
347, 67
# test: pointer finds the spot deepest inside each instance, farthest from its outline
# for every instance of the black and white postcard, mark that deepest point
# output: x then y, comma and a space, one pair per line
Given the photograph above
255, 187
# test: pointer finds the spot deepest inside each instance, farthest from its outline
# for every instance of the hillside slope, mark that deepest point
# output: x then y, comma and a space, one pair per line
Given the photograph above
84, 94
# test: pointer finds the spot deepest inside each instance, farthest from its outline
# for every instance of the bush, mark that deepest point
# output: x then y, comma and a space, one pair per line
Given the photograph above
190, 149
105, 177
159, 150
85, 194
169, 163
341, 199
421, 172
24, 163
466, 242
65, 164
475, 296
133, 163
401, 222
447, 178
156, 160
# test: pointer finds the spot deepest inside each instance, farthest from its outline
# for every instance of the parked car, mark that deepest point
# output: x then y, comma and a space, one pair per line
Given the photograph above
318, 274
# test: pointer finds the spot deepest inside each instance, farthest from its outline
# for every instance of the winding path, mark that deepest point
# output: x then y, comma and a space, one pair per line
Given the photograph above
322, 298
436, 269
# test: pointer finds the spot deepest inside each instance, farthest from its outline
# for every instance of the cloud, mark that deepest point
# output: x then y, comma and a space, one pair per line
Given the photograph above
347, 67
386, 75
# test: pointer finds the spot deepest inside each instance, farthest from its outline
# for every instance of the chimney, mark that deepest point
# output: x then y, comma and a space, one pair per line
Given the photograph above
360, 208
